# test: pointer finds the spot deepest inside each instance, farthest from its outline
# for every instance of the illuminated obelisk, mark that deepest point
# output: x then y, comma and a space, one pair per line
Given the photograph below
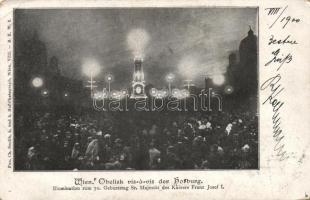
138, 83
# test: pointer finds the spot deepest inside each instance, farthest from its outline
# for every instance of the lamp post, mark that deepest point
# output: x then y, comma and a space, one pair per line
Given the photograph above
153, 92
188, 83
169, 78
109, 79
104, 93
91, 68
92, 84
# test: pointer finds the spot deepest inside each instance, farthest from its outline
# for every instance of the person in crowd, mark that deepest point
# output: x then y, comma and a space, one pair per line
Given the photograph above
154, 156
91, 154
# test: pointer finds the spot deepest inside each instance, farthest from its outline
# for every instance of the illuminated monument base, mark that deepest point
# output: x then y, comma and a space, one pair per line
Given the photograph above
138, 83
138, 91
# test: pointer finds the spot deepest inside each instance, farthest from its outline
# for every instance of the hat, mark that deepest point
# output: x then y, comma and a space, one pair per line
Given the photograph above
118, 140
245, 148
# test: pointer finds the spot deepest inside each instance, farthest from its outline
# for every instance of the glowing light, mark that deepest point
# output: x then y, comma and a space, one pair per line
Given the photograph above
66, 94
118, 94
185, 93
188, 84
165, 92
229, 89
45, 92
109, 78
137, 40
98, 95
180, 94
138, 90
161, 93
218, 79
124, 92
37, 82
90, 67
176, 93
170, 77
153, 92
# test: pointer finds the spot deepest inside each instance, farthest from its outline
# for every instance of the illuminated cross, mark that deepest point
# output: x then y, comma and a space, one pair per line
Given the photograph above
188, 84
92, 84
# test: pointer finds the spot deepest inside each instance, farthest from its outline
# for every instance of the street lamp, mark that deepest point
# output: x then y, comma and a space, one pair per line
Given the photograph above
161, 94
188, 84
185, 93
116, 94
98, 95
91, 68
105, 94
37, 82
176, 93
153, 92
170, 78
124, 92
109, 79
229, 89
92, 84
45, 93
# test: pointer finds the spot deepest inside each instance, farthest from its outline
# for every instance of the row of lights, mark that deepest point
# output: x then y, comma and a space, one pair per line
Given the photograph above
38, 82
217, 80
175, 93
99, 95
155, 93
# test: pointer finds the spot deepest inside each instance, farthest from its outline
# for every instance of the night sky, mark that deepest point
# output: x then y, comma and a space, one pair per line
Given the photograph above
191, 43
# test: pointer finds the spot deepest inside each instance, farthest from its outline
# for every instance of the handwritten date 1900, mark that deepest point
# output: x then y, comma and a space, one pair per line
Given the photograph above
284, 20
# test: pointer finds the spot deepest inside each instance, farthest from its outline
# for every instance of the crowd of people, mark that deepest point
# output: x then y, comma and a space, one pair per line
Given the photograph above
136, 140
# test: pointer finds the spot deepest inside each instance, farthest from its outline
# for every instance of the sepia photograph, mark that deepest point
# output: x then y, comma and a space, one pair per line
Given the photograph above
136, 89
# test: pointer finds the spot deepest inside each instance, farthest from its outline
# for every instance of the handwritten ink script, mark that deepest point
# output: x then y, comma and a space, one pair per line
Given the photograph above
280, 57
